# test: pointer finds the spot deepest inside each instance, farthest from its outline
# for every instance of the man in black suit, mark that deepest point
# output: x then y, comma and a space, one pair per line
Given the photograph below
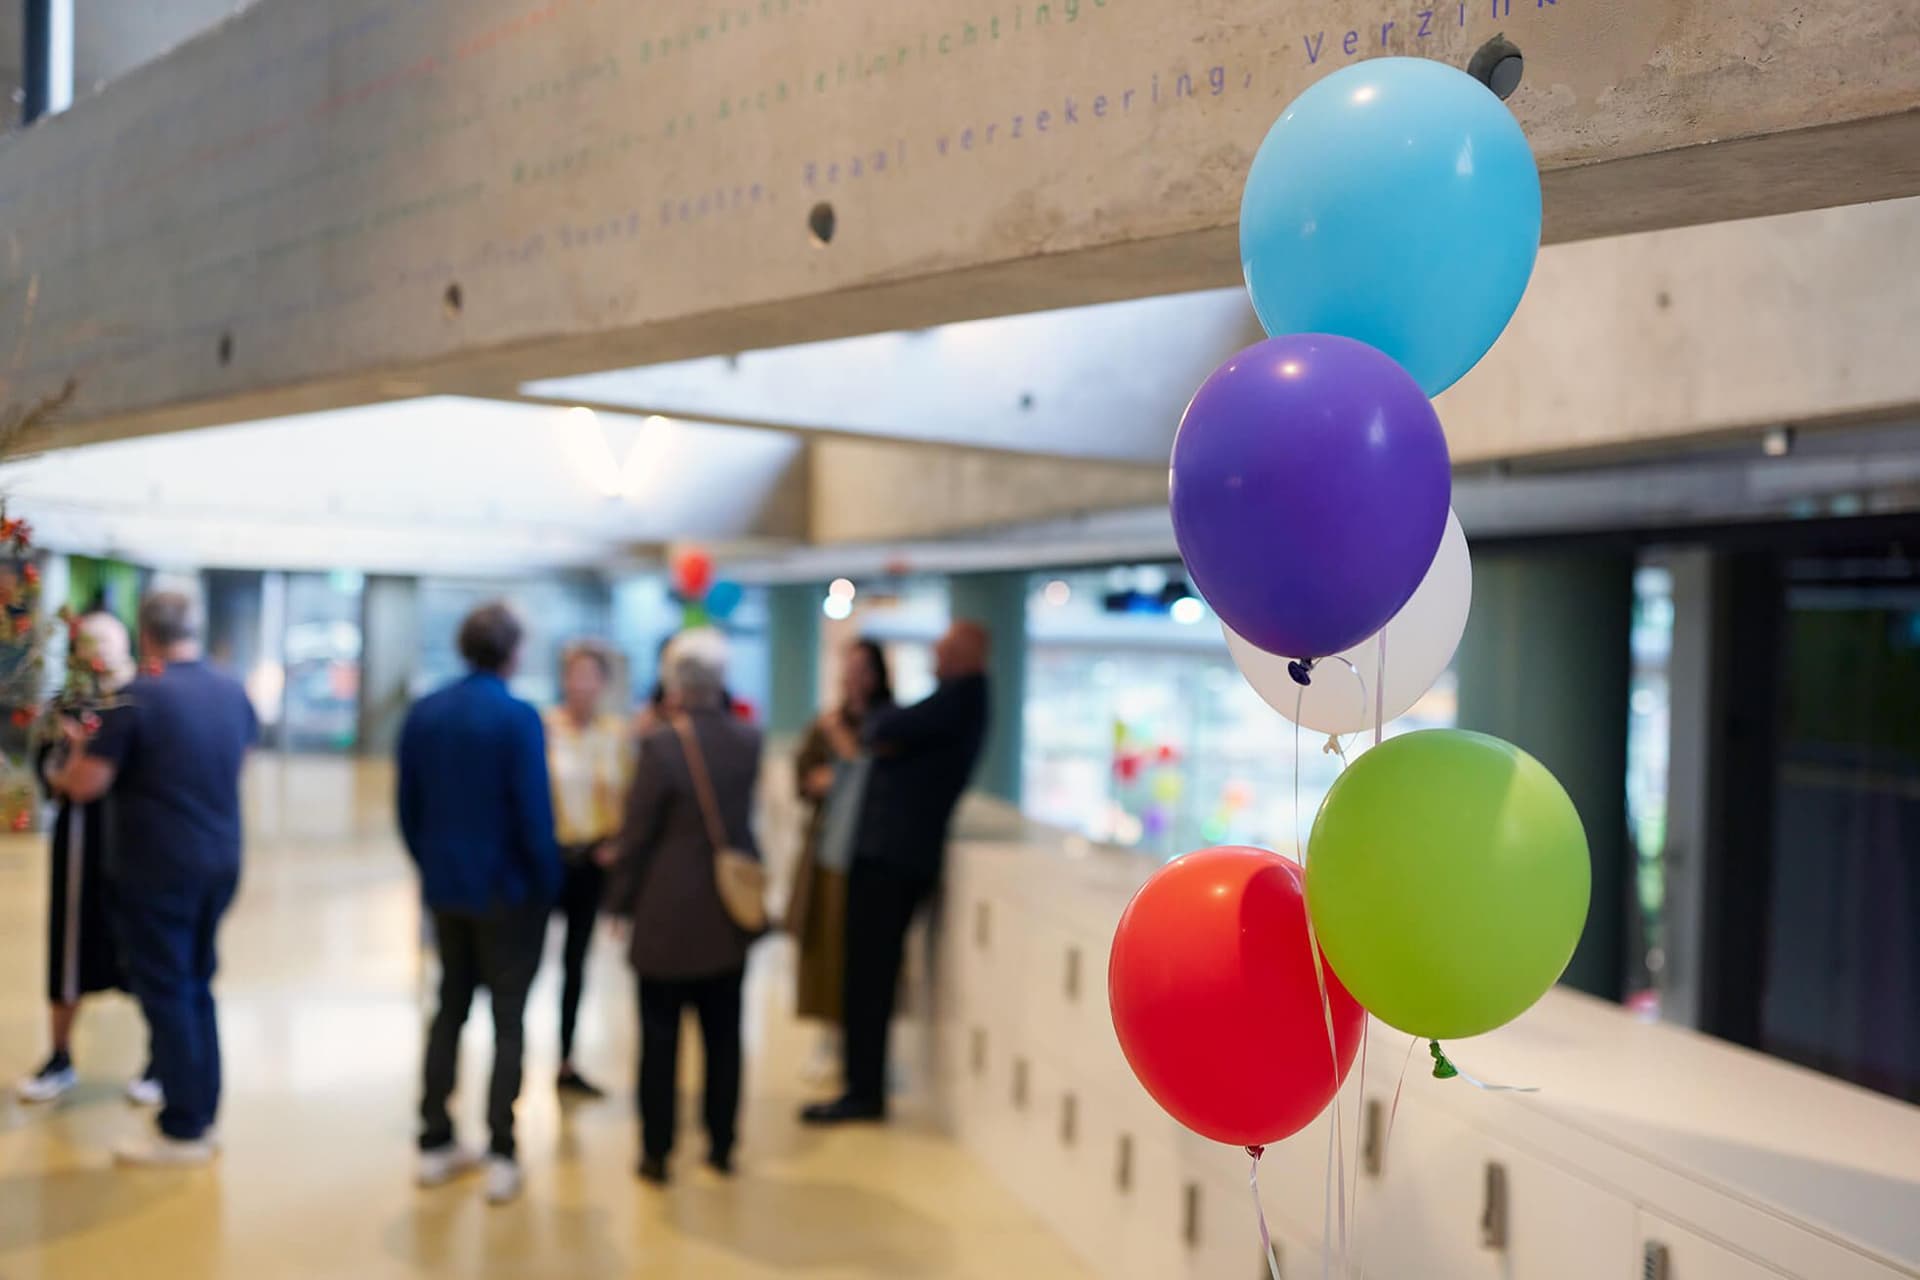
922, 758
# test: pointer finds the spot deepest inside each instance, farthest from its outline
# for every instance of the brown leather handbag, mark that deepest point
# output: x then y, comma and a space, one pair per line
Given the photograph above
740, 877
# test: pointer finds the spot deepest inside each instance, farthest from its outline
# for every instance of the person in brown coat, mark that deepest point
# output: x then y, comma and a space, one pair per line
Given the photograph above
685, 949
829, 775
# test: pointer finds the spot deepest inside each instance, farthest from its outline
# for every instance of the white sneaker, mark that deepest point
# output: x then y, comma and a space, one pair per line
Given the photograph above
146, 1092
503, 1180
49, 1084
442, 1165
158, 1151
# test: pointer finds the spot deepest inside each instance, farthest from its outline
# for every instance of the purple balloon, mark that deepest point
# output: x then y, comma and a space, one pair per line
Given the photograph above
1310, 491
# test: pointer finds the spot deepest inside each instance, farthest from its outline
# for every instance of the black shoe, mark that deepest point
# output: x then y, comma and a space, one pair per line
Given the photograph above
653, 1169
721, 1162
843, 1111
572, 1082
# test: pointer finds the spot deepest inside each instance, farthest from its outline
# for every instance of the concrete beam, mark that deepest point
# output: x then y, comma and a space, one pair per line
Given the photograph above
880, 491
1644, 343
314, 201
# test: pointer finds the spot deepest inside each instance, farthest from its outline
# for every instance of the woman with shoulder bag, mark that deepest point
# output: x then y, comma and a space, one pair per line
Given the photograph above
830, 773
688, 876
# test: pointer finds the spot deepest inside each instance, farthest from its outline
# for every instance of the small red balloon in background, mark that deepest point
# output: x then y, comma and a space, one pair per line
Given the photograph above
22, 820
1216, 1003
692, 572
1126, 767
743, 710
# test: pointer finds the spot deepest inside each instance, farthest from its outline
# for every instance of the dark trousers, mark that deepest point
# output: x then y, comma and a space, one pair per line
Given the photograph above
498, 951
167, 943
579, 905
662, 1002
881, 900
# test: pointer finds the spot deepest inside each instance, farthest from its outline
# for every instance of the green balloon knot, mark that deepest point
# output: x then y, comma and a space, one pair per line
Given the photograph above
1442, 1069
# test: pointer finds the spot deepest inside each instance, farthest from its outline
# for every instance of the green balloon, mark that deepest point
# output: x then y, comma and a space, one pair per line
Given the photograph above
1447, 877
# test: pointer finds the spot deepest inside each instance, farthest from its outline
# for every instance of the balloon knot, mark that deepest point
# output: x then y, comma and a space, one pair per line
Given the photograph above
1332, 747
1256, 1152
1442, 1069
1301, 671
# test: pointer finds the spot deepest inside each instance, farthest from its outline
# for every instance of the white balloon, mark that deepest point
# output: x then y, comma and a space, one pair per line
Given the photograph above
1421, 639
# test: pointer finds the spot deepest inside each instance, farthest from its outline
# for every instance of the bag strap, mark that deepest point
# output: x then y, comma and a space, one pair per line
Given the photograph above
702, 785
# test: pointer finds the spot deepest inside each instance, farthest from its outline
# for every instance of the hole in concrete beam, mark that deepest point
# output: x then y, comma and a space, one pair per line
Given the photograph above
1499, 66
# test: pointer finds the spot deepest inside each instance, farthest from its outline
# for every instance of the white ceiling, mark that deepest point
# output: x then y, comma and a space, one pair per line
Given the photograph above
441, 485
1107, 381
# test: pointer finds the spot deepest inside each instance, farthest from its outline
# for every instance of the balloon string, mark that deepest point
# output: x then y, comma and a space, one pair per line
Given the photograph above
1359, 1111
1260, 1213
1336, 1136
1380, 690
1444, 1068
1386, 1139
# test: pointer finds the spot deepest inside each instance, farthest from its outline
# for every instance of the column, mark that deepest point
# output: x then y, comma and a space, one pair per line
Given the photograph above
998, 601
1545, 665
389, 654
46, 30
793, 656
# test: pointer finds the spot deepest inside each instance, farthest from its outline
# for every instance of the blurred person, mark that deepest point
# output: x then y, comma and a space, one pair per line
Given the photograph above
923, 756
830, 774
590, 759
693, 788
82, 953
653, 712
171, 757
476, 812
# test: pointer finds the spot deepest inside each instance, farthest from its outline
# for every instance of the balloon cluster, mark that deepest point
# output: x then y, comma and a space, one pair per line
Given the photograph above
703, 598
1389, 227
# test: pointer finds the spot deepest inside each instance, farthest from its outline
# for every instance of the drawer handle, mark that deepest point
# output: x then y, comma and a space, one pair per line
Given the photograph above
980, 919
1069, 1119
1073, 974
1019, 1084
1190, 1219
1373, 1142
1123, 1163
1493, 1208
979, 1053
1656, 1265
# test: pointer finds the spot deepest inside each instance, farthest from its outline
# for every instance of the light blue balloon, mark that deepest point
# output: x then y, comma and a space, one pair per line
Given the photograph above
723, 597
1395, 202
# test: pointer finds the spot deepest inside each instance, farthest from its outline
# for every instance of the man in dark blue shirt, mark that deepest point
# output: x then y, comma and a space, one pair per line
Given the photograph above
171, 757
923, 756
477, 815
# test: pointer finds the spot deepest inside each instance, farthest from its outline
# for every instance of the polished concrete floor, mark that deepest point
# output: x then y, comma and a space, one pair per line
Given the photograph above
323, 995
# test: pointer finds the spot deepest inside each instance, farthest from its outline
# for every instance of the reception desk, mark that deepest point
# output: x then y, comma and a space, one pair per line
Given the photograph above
1649, 1150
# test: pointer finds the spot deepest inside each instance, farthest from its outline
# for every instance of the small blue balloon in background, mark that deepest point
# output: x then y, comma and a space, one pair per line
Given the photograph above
723, 597
1395, 202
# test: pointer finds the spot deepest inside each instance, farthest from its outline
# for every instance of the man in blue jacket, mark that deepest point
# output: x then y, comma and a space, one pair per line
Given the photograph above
477, 816
171, 756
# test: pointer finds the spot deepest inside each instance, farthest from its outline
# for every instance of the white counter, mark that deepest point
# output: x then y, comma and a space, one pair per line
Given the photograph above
1645, 1141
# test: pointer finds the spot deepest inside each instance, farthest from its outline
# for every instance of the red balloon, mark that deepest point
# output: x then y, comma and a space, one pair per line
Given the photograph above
1215, 1000
692, 572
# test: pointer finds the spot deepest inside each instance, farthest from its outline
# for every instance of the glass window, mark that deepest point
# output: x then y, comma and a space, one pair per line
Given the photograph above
554, 611
903, 617
1139, 730
321, 699
1649, 737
